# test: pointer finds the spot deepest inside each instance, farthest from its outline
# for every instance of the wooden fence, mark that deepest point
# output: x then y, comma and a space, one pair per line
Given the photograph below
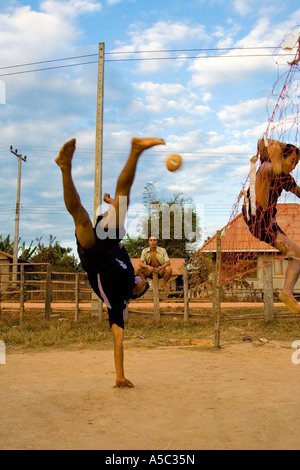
26, 284
38, 285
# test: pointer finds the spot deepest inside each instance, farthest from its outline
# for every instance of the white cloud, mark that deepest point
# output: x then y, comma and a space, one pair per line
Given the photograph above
71, 7
191, 141
116, 2
160, 37
163, 34
28, 35
20, 30
51, 103
160, 90
242, 114
208, 72
243, 7
172, 98
267, 33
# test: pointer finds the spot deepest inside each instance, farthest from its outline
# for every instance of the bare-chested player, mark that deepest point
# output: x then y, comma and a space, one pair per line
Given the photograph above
103, 257
278, 160
155, 259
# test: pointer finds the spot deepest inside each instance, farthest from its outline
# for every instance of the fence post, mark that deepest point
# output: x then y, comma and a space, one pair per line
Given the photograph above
99, 314
22, 290
217, 293
76, 296
48, 293
97, 307
186, 293
155, 285
268, 293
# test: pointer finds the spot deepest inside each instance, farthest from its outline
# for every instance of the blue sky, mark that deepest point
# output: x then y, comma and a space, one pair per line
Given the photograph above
210, 110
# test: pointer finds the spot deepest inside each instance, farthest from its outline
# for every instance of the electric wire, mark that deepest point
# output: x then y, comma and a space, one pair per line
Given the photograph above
131, 59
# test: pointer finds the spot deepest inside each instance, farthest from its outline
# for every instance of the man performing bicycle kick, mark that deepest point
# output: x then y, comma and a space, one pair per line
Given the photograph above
102, 255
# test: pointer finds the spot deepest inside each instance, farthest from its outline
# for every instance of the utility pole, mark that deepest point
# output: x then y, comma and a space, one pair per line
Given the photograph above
17, 218
97, 304
99, 131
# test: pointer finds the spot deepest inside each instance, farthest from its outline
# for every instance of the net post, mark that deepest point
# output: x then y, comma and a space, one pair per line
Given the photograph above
22, 293
48, 293
217, 293
186, 293
76, 296
268, 293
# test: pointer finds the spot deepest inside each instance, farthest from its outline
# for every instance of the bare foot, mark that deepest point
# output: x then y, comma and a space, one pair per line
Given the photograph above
123, 383
66, 154
290, 302
141, 144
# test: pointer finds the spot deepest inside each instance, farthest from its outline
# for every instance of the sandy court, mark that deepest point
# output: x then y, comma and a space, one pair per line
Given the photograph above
245, 396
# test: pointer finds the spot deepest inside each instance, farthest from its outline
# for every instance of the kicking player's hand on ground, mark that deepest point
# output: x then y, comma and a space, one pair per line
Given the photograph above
122, 383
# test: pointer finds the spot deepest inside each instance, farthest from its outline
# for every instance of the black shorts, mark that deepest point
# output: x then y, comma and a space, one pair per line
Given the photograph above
110, 288
111, 275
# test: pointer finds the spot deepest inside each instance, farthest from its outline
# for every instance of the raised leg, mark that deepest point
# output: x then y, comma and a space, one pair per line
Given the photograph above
291, 250
119, 204
83, 224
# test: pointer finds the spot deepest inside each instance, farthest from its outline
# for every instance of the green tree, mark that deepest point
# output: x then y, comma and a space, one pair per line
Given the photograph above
174, 222
27, 253
23, 253
177, 214
201, 268
6, 245
59, 257
134, 245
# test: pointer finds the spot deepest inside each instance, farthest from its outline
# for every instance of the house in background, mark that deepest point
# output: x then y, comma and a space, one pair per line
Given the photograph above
6, 269
175, 283
239, 244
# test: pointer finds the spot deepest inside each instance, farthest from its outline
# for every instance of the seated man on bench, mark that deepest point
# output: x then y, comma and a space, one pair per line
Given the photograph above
155, 259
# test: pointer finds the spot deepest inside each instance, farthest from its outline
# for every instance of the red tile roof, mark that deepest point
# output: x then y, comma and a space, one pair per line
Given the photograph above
237, 237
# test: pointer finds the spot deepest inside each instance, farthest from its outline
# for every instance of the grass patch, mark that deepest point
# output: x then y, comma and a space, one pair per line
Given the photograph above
35, 333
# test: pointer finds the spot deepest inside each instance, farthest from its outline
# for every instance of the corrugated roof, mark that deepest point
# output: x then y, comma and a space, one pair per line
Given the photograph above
236, 236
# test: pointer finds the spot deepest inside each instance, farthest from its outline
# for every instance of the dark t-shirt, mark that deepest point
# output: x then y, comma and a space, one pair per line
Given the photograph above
111, 274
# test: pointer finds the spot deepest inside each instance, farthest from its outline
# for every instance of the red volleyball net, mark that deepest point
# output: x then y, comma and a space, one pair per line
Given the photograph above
247, 249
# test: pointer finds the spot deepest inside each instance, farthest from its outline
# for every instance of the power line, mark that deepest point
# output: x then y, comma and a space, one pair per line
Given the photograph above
47, 68
131, 59
133, 52
47, 61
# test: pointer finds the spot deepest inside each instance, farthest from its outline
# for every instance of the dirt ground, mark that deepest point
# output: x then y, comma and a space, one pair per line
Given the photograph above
244, 396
